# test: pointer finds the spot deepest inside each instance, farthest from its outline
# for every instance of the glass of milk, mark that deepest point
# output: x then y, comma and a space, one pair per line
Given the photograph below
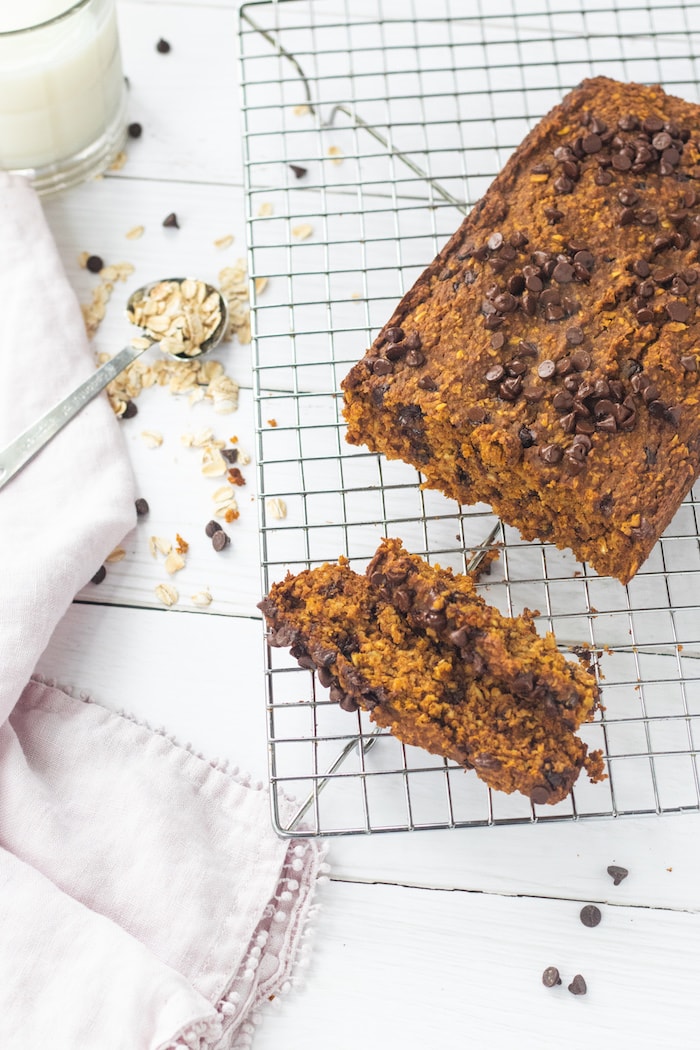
62, 90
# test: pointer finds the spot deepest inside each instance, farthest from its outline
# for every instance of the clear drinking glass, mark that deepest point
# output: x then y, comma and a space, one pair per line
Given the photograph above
62, 90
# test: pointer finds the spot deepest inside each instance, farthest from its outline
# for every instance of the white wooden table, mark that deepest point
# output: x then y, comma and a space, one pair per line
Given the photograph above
425, 939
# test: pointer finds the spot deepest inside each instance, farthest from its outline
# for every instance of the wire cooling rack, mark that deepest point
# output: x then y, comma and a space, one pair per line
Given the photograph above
369, 128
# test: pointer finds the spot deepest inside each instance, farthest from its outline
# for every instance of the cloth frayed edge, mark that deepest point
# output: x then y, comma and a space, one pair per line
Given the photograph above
238, 1009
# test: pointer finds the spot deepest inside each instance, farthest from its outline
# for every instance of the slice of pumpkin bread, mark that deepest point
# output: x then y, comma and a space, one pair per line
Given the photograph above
417, 647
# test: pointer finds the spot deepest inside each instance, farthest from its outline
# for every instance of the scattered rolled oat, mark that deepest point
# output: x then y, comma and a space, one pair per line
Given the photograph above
135, 232
116, 555
167, 594
303, 231
260, 285
174, 562
233, 282
336, 154
213, 463
202, 598
152, 438
94, 312
181, 546
159, 545
276, 508
265, 209
224, 242
119, 161
302, 110
224, 392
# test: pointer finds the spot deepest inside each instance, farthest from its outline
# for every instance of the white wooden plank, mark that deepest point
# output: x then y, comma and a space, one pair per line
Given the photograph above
186, 100
202, 677
408, 968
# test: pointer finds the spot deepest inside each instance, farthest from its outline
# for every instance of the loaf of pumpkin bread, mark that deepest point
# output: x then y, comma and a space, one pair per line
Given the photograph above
546, 362
417, 647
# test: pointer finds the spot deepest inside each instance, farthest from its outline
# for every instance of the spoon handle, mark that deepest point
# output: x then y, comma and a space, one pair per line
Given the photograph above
18, 453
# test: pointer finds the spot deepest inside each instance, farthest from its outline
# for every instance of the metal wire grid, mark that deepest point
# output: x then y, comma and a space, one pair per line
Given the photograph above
400, 114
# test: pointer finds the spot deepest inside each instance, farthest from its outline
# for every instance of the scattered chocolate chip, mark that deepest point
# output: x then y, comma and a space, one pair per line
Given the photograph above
142, 507
99, 575
130, 411
527, 438
578, 985
94, 263
299, 172
590, 915
617, 873
211, 527
220, 539
171, 220
230, 454
551, 977
134, 130
498, 340
162, 47
574, 336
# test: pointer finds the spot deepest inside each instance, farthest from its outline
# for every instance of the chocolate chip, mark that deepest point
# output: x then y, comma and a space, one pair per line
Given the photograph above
99, 575
652, 124
220, 539
211, 527
540, 794
394, 335
546, 369
621, 162
495, 374
516, 367
551, 977
141, 506
516, 284
426, 383
626, 217
412, 341
553, 215
689, 363
476, 414
591, 143
414, 358
563, 273
130, 411
299, 172
645, 316
495, 241
578, 985
162, 46
551, 454
562, 401
510, 388
394, 351
617, 873
628, 123
382, 367
94, 263
552, 312
581, 360
171, 220
574, 336
641, 268
230, 455
678, 312
648, 217
590, 915
526, 349
533, 283
602, 178
628, 197
673, 415
563, 185
134, 130
527, 438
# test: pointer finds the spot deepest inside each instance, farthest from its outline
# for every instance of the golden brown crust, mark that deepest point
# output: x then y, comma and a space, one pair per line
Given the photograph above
584, 263
416, 646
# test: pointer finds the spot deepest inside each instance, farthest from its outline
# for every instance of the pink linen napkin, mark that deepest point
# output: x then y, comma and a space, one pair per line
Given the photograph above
145, 902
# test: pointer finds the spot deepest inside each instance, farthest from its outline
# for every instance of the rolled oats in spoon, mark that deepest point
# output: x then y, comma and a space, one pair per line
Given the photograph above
184, 317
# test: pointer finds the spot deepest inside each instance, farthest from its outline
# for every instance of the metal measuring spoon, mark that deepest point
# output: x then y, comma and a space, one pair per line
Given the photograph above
17, 454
